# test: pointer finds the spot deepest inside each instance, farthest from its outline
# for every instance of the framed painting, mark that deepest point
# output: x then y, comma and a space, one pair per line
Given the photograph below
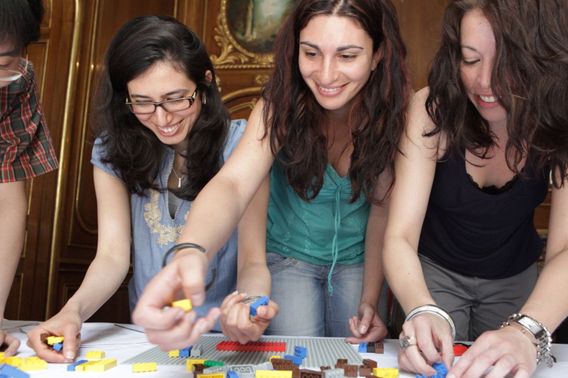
246, 30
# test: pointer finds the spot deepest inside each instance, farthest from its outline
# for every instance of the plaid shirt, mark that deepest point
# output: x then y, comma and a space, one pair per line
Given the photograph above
26, 150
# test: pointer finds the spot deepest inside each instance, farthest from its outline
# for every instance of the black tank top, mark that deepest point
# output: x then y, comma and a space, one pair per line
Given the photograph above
478, 232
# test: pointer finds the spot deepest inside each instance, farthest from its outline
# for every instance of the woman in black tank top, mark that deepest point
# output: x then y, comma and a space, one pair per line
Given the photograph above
482, 143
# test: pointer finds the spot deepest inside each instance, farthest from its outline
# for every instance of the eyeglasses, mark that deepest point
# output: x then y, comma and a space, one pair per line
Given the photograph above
172, 106
9, 76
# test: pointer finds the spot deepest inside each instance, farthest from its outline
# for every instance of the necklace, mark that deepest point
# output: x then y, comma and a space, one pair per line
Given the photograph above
179, 178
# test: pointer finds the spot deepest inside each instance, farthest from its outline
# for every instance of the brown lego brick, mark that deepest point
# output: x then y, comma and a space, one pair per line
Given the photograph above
341, 362
375, 347
369, 363
282, 364
322, 368
365, 370
351, 370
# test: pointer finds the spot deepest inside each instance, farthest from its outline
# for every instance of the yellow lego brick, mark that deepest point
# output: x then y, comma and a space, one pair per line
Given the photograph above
184, 304
173, 353
83, 367
100, 365
274, 374
95, 355
274, 357
33, 363
13, 361
385, 372
52, 340
1, 354
211, 375
193, 361
143, 367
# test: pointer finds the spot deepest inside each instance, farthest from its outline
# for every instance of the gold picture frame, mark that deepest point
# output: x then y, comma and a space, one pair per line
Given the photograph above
245, 32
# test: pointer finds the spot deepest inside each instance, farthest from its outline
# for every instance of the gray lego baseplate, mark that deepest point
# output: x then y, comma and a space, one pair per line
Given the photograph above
322, 351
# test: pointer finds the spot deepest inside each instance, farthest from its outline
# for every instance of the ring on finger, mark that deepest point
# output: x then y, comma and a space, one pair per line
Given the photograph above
407, 341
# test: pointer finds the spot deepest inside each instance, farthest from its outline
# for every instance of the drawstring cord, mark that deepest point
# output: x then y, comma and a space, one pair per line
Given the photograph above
334, 248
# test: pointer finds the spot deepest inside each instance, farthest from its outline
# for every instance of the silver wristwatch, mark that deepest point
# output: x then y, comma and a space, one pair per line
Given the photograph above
541, 335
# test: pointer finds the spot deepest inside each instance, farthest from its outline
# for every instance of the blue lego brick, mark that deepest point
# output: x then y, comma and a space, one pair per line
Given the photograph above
300, 351
441, 371
185, 352
12, 372
73, 366
295, 360
363, 348
58, 347
262, 301
232, 374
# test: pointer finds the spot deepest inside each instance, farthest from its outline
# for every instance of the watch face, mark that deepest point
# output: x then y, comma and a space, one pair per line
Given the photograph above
536, 329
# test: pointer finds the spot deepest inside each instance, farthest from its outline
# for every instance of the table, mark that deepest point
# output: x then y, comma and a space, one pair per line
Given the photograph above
124, 341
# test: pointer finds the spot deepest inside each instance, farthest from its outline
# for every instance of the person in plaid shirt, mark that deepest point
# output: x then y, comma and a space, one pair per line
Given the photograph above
25, 145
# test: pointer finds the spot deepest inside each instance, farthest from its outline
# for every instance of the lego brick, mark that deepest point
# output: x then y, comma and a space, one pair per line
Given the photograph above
215, 369
97, 365
95, 354
282, 364
144, 367
351, 370
32, 364
232, 374
13, 361
341, 362
363, 348
209, 363
385, 372
273, 374
333, 373
300, 351
365, 370
256, 346
295, 360
262, 301
369, 363
185, 352
173, 353
212, 375
52, 340
73, 366
198, 368
305, 373
263, 366
12, 372
184, 304
460, 349
196, 350
191, 362
375, 347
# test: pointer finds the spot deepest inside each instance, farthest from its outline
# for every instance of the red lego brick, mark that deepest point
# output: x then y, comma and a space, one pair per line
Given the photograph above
257, 346
460, 349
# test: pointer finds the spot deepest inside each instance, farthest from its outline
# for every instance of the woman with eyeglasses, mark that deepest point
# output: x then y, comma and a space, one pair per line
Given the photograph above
26, 150
162, 133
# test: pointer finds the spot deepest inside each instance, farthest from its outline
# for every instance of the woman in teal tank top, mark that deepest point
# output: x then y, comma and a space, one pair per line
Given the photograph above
330, 119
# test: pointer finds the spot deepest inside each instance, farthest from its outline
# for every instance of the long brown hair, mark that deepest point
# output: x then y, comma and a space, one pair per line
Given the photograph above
514, 71
376, 118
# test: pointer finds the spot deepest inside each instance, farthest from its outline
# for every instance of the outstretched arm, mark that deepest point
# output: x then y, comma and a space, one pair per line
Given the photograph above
13, 206
415, 168
104, 276
213, 216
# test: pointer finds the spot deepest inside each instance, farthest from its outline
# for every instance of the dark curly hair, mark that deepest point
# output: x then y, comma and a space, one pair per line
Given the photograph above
133, 150
376, 118
20, 21
513, 81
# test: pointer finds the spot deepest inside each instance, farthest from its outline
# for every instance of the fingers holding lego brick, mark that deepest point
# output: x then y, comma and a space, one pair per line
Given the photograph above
9, 342
186, 272
58, 338
245, 318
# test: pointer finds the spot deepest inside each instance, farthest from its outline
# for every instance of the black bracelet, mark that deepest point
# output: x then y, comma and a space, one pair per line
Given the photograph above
179, 246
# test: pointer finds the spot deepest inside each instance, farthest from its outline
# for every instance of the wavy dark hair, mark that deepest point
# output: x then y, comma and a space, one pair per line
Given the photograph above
133, 150
376, 118
514, 72
547, 22
20, 21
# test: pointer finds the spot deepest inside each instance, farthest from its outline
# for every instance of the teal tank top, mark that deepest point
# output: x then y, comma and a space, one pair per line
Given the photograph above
324, 231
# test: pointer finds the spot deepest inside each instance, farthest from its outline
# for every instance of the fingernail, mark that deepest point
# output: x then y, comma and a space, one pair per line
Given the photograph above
69, 355
235, 292
363, 329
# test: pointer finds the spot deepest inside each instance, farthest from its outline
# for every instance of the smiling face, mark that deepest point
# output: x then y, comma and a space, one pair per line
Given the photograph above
478, 57
335, 59
164, 81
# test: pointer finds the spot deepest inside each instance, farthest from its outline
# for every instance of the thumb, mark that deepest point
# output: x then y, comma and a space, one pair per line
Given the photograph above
365, 320
70, 343
192, 269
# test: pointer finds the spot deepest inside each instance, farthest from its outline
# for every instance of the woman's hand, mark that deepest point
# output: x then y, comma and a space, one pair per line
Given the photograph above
172, 328
10, 342
428, 340
236, 322
501, 353
367, 326
66, 323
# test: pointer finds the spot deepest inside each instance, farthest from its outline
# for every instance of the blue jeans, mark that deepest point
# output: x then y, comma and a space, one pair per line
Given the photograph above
306, 307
